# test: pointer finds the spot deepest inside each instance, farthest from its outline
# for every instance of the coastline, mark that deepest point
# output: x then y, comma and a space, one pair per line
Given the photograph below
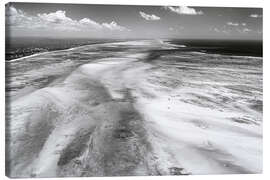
37, 54
72, 48
172, 44
60, 50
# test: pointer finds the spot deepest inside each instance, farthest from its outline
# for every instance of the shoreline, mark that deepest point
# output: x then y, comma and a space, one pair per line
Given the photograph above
37, 54
73, 48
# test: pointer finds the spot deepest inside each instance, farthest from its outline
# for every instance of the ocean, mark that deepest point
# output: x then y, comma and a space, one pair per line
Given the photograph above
21, 47
134, 107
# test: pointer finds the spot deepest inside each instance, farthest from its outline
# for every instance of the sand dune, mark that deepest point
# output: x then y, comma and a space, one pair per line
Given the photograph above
115, 113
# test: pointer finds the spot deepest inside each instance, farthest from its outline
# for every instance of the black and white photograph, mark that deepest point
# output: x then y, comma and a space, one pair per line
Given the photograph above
100, 90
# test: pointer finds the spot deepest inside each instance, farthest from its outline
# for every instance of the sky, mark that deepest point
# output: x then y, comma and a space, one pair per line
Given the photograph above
121, 21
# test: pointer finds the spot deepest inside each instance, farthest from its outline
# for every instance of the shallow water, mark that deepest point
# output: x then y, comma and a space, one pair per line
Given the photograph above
134, 108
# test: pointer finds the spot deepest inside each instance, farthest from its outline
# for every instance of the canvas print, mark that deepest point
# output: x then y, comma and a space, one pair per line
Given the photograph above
117, 90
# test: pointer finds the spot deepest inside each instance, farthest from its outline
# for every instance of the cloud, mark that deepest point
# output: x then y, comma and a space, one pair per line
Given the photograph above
220, 30
183, 10
246, 30
89, 22
232, 24
244, 24
176, 28
57, 21
255, 16
14, 17
114, 26
227, 30
149, 17
216, 30
56, 17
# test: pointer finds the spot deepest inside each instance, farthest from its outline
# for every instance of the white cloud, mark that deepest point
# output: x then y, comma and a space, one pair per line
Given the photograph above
244, 24
176, 28
181, 27
13, 11
256, 16
56, 17
232, 24
89, 22
219, 30
216, 30
184, 10
14, 17
57, 21
149, 17
228, 30
246, 30
114, 26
